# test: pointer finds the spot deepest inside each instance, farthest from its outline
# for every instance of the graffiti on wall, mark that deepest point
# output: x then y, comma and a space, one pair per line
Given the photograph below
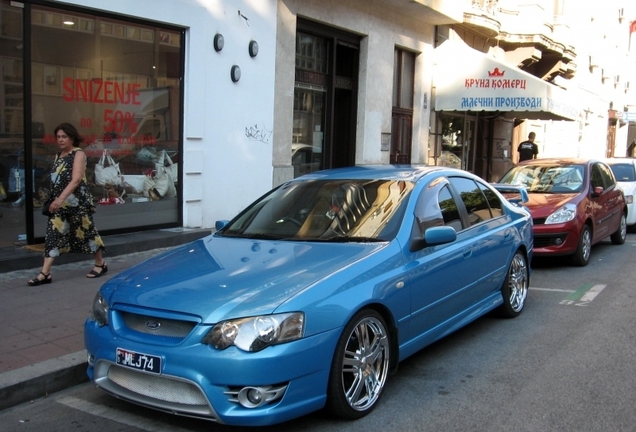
256, 133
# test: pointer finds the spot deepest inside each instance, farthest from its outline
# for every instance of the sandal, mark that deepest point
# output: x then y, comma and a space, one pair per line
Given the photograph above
37, 281
93, 274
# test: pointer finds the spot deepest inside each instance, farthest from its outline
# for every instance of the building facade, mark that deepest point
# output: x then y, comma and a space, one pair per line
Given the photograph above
230, 98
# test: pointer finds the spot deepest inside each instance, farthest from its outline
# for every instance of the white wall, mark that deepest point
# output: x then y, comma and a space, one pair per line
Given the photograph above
225, 167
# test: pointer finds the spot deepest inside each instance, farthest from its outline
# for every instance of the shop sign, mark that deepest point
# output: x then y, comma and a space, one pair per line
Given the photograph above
468, 80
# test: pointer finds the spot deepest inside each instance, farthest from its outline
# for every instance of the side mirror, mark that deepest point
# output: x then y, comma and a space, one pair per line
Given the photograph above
598, 190
434, 236
220, 224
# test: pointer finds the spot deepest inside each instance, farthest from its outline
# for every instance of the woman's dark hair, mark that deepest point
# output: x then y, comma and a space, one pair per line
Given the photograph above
71, 132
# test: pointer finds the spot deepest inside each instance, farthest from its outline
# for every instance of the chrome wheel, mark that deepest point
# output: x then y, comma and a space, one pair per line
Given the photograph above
515, 287
361, 366
518, 282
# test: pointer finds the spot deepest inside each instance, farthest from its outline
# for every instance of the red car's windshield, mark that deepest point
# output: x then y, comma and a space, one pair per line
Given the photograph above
547, 178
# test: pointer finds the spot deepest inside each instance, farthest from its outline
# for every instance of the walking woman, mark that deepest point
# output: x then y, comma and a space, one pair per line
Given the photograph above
70, 228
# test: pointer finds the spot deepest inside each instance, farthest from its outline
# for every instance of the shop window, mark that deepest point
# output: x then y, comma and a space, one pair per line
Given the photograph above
119, 83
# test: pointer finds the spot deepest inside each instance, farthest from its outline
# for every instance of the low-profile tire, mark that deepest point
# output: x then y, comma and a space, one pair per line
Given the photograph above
618, 238
360, 366
582, 255
515, 287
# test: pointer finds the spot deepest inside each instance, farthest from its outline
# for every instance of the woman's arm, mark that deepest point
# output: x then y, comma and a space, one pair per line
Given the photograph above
79, 170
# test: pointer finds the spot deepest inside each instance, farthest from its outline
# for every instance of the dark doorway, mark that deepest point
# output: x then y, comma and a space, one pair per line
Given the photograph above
344, 107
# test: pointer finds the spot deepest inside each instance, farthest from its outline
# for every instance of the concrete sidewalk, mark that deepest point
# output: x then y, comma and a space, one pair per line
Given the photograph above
41, 331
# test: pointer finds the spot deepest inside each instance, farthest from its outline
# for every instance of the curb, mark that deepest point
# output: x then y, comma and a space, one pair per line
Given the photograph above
41, 379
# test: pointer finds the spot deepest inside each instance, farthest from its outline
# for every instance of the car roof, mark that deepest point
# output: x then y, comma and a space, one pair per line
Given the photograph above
558, 161
380, 172
615, 160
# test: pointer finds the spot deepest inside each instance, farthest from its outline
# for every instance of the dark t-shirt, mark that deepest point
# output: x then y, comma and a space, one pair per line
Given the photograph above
527, 150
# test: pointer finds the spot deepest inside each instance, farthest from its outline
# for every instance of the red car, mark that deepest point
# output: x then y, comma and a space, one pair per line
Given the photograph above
574, 203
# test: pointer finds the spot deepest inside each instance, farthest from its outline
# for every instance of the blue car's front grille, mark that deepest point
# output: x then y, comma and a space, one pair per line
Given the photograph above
157, 326
170, 394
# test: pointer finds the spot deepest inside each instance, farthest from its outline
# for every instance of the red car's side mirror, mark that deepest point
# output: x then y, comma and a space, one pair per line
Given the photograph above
598, 190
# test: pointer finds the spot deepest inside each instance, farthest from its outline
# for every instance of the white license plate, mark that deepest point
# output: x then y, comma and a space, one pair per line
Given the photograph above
139, 361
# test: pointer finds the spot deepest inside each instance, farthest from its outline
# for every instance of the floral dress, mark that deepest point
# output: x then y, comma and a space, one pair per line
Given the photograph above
71, 227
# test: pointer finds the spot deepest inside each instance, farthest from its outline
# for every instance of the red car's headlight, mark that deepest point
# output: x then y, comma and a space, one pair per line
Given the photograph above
562, 215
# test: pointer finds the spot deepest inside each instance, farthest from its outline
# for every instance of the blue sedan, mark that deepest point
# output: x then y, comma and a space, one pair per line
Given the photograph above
311, 296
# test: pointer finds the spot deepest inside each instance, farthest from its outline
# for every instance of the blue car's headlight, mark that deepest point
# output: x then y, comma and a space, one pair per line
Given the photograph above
562, 215
256, 333
99, 311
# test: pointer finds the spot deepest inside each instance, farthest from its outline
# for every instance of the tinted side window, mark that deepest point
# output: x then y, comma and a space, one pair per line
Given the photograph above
436, 207
597, 177
608, 177
473, 198
450, 213
496, 207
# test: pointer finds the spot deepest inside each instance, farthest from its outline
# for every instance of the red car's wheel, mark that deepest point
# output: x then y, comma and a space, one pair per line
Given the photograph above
582, 255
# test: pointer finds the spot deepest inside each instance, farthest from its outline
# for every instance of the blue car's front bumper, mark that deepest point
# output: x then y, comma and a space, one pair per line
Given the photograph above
195, 378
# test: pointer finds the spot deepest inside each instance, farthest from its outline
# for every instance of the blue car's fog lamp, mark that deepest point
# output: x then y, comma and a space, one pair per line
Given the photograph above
562, 215
256, 333
99, 311
254, 396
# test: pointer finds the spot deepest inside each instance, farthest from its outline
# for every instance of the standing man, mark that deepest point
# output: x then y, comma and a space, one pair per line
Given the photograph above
528, 149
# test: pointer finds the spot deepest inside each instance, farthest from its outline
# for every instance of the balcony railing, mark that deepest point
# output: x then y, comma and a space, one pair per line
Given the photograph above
486, 6
482, 17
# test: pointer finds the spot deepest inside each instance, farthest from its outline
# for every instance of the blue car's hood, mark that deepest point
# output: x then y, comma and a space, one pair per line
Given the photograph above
218, 278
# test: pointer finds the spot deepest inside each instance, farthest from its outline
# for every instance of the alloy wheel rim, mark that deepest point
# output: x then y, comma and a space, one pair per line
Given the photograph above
518, 283
623, 228
587, 244
365, 364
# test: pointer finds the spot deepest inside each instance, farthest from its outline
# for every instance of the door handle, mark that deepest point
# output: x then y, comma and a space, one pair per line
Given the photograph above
467, 253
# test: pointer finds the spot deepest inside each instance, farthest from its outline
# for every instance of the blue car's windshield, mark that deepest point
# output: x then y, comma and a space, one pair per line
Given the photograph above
325, 210
547, 178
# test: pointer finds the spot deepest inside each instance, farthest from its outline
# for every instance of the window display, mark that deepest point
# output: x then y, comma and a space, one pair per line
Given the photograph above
119, 82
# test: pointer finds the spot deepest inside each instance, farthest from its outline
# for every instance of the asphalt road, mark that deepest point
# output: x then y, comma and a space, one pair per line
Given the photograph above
566, 364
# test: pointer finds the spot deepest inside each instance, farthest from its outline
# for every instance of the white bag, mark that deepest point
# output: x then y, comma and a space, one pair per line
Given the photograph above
136, 182
164, 177
160, 182
171, 168
107, 174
